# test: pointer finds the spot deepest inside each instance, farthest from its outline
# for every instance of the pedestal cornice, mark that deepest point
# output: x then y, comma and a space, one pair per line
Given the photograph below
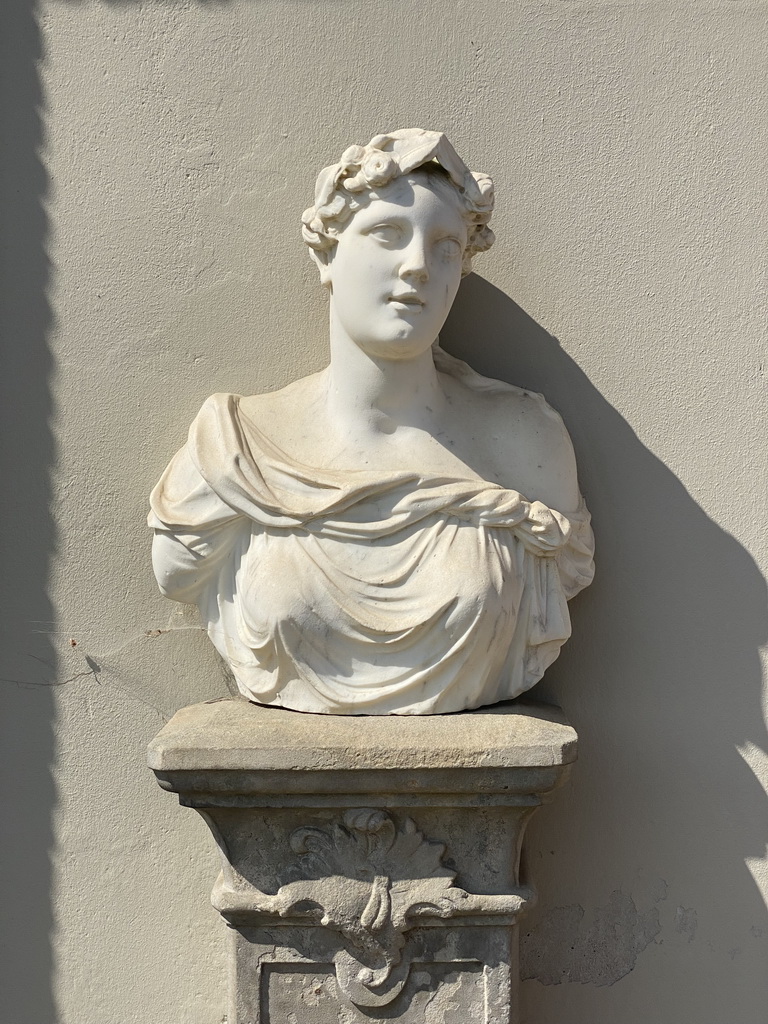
368, 863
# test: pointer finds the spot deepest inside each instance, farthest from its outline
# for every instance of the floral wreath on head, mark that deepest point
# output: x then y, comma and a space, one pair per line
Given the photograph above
386, 157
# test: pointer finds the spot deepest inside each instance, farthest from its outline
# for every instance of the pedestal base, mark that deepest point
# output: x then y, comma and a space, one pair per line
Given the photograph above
370, 866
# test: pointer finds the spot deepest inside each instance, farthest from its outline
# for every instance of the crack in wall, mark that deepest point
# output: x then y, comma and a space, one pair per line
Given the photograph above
107, 666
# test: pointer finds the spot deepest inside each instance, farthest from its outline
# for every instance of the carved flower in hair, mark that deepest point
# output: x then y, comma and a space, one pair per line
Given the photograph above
349, 165
379, 168
332, 209
352, 156
482, 199
355, 183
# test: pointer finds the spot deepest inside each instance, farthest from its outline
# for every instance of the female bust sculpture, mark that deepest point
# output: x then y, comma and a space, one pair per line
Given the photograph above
395, 534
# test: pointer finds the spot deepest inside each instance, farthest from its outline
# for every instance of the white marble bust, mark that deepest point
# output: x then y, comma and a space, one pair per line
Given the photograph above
395, 534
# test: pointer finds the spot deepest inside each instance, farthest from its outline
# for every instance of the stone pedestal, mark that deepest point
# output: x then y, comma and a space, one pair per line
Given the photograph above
370, 866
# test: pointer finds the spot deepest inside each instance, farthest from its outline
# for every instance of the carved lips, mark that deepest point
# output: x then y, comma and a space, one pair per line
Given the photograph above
409, 302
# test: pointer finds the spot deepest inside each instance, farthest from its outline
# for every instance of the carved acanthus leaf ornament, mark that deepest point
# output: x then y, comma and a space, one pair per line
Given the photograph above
371, 880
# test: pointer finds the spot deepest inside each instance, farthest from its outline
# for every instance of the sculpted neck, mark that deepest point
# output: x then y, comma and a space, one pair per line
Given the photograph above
369, 393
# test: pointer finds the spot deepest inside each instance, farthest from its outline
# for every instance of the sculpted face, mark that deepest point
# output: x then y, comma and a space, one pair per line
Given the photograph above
397, 266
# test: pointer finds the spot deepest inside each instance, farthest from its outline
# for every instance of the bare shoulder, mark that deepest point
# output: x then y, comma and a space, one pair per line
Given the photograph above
275, 412
290, 395
538, 451
527, 444
530, 416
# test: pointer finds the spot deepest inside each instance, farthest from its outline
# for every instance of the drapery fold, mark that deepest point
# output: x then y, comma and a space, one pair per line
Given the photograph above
356, 592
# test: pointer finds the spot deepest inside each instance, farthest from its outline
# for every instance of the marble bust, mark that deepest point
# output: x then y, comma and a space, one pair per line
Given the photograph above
395, 534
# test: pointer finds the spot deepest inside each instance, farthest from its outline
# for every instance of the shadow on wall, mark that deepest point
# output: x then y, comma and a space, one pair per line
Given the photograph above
661, 679
28, 658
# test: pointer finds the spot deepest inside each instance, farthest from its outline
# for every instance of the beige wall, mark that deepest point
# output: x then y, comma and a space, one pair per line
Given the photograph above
159, 155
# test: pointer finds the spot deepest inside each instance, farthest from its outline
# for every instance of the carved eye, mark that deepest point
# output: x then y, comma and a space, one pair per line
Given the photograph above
450, 248
387, 234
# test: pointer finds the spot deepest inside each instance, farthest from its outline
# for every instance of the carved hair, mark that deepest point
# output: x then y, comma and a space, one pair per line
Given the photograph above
343, 188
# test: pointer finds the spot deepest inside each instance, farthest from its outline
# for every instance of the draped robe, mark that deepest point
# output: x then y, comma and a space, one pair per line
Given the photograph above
364, 592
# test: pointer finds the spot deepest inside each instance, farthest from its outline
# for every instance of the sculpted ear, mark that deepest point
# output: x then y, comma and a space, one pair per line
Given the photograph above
322, 260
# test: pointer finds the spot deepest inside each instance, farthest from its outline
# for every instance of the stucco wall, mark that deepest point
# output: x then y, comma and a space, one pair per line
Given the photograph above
157, 158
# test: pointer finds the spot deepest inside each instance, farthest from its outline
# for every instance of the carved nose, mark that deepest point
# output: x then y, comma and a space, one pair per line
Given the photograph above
415, 266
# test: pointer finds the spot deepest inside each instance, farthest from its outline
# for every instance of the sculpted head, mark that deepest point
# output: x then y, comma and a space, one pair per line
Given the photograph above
394, 228
364, 171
